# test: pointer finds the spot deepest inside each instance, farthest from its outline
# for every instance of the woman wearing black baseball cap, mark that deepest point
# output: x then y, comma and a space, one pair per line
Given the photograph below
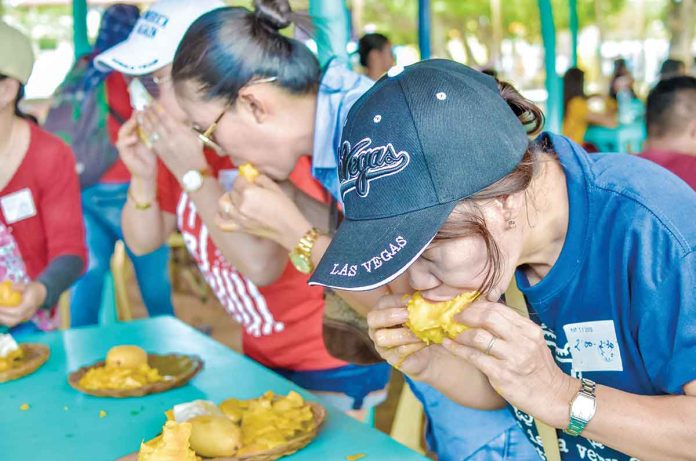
444, 193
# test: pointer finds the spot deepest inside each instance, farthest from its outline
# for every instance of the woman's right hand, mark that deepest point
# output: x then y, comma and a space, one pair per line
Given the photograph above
395, 342
140, 160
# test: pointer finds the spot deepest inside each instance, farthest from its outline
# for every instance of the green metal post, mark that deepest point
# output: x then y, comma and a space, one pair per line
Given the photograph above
80, 40
424, 24
332, 22
574, 25
553, 83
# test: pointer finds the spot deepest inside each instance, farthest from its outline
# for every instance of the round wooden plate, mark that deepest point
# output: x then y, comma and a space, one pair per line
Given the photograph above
176, 369
292, 446
35, 355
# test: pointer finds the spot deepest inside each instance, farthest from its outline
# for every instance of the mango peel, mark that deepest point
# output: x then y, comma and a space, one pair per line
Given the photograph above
433, 322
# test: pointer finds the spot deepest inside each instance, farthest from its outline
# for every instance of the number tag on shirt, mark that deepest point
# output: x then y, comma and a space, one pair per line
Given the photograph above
18, 206
593, 346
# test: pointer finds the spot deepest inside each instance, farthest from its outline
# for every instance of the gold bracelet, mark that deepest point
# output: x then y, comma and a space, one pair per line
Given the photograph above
138, 205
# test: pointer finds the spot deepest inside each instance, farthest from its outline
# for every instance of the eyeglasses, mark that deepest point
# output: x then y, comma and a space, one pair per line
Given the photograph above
152, 84
206, 136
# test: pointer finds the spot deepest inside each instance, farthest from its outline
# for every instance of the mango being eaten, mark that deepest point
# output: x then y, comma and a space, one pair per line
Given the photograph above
9, 297
214, 436
249, 172
433, 322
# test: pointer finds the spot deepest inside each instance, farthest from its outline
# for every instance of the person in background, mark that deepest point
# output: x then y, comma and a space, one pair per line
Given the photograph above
671, 126
376, 54
285, 116
42, 249
672, 68
281, 316
103, 202
577, 115
621, 79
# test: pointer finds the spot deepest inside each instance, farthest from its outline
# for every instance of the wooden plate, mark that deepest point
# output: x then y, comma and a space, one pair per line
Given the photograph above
176, 369
292, 446
35, 355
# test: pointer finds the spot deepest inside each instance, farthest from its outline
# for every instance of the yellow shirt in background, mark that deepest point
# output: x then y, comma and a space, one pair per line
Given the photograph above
575, 119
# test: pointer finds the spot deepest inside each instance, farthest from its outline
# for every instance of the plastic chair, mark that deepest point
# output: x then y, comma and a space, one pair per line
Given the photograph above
407, 427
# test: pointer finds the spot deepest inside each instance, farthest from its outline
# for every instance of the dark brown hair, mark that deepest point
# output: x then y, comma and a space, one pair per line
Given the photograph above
226, 48
467, 219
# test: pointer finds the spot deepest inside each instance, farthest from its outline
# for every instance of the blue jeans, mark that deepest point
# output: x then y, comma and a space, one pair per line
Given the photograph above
102, 205
457, 433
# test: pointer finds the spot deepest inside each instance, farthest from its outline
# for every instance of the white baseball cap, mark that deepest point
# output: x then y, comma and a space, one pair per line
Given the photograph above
153, 42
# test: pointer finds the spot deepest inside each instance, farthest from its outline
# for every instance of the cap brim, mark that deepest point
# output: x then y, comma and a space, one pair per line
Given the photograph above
365, 255
130, 59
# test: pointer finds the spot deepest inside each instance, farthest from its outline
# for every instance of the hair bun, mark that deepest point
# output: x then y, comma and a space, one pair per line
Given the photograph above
275, 13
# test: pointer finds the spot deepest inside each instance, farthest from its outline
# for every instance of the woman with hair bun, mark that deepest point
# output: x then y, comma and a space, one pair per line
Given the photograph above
262, 98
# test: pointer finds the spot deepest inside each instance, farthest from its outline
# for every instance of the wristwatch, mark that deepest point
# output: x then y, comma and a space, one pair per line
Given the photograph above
192, 180
582, 407
301, 255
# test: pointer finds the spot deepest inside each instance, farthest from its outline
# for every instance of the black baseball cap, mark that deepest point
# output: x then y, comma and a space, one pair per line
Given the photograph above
420, 140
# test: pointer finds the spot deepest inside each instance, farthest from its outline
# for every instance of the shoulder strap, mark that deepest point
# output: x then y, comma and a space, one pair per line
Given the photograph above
549, 439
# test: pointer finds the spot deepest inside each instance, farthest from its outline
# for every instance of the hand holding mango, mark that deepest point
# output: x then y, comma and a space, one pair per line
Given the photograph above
9, 297
433, 322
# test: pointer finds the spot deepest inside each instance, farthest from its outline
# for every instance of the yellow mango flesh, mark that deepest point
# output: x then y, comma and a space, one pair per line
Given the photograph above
172, 445
433, 322
9, 297
248, 172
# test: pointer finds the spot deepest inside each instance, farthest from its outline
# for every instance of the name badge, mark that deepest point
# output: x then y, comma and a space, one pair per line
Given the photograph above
593, 346
18, 206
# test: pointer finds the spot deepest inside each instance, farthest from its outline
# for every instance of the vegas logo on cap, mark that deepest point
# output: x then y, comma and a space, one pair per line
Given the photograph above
361, 164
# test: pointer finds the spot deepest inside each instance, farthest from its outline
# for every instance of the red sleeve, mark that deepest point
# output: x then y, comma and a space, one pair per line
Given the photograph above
60, 205
119, 101
168, 189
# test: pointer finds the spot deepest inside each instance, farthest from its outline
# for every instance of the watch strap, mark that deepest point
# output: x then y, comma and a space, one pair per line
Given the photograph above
577, 425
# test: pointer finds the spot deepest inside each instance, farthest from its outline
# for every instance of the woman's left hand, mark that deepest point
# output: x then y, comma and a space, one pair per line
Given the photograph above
263, 209
512, 352
174, 143
33, 296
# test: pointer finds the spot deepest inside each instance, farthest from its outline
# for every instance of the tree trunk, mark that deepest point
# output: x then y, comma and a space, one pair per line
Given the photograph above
681, 24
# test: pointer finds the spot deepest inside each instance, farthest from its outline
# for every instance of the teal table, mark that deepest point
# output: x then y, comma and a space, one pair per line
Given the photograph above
65, 425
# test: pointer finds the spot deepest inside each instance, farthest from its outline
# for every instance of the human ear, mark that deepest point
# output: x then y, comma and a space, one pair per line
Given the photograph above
253, 105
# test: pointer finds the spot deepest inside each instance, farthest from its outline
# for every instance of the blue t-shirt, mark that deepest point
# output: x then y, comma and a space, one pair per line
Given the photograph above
619, 305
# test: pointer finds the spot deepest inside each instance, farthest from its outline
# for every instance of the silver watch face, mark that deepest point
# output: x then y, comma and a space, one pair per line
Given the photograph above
192, 180
583, 407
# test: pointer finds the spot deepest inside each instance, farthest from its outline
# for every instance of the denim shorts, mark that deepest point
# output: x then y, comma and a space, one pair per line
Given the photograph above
457, 433
350, 387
